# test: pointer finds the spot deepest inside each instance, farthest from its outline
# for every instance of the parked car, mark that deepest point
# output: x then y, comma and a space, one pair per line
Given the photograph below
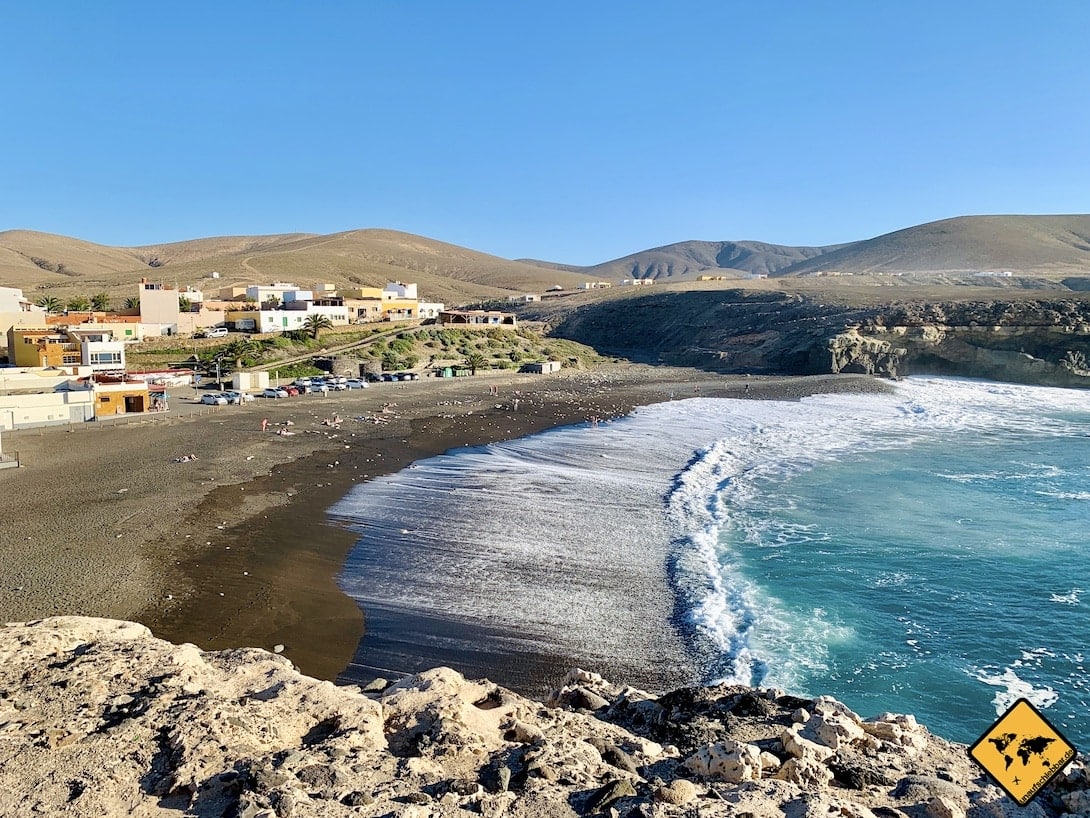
388, 377
215, 332
273, 392
237, 398
356, 383
373, 378
291, 390
214, 398
302, 382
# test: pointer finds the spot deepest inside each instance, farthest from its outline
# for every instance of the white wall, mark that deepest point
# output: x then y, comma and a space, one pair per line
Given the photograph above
18, 411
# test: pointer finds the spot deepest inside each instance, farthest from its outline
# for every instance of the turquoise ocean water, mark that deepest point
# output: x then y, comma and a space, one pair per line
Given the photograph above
923, 551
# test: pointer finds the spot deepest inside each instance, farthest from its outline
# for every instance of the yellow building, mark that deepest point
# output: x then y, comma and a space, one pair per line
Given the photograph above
399, 309
364, 310
121, 398
39, 346
364, 293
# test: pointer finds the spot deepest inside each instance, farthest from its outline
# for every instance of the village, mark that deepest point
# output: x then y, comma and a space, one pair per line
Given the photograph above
72, 366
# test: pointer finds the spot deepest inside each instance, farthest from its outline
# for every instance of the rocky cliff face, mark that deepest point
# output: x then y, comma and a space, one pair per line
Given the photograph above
99, 718
1037, 342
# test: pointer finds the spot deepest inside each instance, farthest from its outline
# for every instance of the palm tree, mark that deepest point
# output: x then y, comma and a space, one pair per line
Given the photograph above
238, 351
51, 304
79, 304
315, 323
475, 361
100, 302
184, 304
132, 302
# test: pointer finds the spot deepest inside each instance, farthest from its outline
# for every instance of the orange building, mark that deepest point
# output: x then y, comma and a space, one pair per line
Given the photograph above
39, 346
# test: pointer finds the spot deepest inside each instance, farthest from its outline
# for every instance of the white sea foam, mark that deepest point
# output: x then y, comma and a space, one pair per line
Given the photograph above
545, 533
1070, 598
765, 443
1014, 688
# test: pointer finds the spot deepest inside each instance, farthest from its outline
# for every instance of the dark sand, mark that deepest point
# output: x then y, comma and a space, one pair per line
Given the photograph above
237, 550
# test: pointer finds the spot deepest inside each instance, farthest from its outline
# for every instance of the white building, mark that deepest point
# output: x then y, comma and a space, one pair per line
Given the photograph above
428, 309
12, 300
398, 291
17, 311
637, 282
266, 292
161, 312
33, 396
287, 320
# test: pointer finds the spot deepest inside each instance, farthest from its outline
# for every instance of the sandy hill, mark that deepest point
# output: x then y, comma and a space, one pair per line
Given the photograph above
688, 260
1032, 245
40, 263
1039, 250
1049, 246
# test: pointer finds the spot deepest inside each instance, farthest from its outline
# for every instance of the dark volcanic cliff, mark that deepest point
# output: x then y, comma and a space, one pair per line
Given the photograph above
1038, 342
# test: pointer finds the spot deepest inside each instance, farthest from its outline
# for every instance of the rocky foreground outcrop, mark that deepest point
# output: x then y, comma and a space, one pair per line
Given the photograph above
98, 718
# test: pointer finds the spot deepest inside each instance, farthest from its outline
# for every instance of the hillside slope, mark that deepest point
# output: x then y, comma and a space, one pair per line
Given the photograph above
1039, 245
688, 260
41, 263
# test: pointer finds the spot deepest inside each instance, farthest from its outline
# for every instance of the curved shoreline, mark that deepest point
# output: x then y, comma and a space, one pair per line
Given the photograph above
236, 548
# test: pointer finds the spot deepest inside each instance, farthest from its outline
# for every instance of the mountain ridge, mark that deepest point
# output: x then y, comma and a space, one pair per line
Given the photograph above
1056, 247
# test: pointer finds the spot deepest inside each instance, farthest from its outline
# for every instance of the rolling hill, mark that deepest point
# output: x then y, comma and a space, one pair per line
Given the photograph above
41, 263
1027, 245
688, 260
943, 252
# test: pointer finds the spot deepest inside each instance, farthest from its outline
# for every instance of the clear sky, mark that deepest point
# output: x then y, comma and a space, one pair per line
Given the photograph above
568, 131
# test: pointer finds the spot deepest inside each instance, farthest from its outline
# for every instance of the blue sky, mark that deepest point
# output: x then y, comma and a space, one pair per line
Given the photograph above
569, 131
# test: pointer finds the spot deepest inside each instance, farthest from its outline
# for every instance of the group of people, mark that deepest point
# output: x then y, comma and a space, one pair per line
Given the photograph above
283, 431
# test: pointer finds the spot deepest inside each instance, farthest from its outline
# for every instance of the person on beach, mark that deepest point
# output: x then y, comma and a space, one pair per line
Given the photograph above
264, 424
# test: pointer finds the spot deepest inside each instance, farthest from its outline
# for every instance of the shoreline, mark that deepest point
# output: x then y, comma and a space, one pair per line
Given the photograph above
237, 549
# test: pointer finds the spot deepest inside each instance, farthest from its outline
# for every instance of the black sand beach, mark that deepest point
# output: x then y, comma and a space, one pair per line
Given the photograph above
237, 548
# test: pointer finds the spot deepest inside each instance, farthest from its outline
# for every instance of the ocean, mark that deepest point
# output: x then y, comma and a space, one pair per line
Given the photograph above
923, 551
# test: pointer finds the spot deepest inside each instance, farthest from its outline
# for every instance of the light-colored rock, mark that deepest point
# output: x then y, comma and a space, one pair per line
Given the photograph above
943, 806
730, 761
807, 773
769, 762
898, 729
680, 791
797, 746
834, 730
99, 718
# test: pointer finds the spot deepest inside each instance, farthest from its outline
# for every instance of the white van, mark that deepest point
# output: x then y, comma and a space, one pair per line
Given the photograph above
215, 332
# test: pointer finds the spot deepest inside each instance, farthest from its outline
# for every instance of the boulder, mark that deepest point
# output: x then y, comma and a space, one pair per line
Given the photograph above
730, 761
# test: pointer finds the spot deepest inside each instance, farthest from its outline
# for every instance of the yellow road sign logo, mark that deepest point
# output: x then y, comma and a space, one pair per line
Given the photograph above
1022, 752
